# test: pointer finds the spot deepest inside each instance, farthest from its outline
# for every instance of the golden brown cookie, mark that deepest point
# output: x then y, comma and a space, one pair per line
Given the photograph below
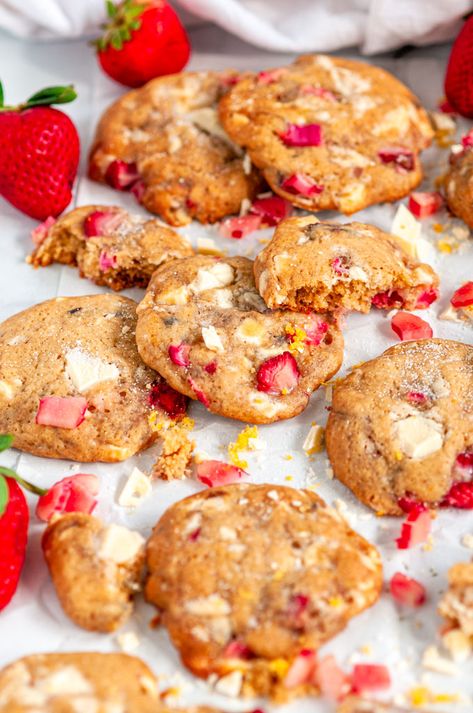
72, 384
457, 607
400, 429
96, 569
249, 576
330, 133
458, 182
330, 266
205, 329
109, 245
164, 141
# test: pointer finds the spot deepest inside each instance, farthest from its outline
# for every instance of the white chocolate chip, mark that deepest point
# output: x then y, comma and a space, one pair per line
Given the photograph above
213, 605
451, 314
179, 296
250, 331
206, 118
128, 641
230, 685
136, 489
65, 681
418, 436
433, 661
357, 273
219, 275
227, 533
7, 390
86, 371
407, 230
212, 339
314, 440
120, 544
246, 164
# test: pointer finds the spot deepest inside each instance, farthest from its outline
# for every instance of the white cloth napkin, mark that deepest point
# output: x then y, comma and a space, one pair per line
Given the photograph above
283, 25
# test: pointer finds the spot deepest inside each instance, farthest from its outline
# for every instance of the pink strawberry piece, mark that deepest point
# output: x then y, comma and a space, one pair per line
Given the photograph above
179, 354
426, 298
297, 606
370, 677
40, 233
101, 222
271, 75
237, 650
138, 190
406, 590
467, 139
203, 398
315, 331
239, 227
194, 536
408, 504
278, 375
415, 529
424, 204
121, 175
416, 397
340, 265
107, 262
302, 669
464, 461
61, 411
300, 184
333, 682
214, 473
211, 367
403, 159
387, 300
163, 396
318, 92
410, 326
77, 493
302, 135
271, 210
459, 496
463, 297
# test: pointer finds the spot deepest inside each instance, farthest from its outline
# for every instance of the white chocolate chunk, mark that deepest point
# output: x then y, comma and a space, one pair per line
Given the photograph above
207, 246
7, 390
357, 273
120, 544
434, 661
128, 641
407, 230
458, 644
219, 275
230, 685
179, 296
212, 339
314, 440
418, 436
65, 681
213, 605
206, 119
136, 489
250, 331
86, 371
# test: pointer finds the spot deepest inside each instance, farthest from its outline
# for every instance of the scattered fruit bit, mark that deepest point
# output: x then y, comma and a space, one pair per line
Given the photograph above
370, 677
61, 411
179, 354
272, 210
107, 262
215, 472
424, 204
203, 398
121, 175
101, 222
138, 190
416, 397
302, 135
247, 440
300, 184
76, 493
296, 337
302, 669
314, 441
211, 367
163, 396
402, 158
415, 529
278, 375
463, 297
240, 227
40, 233
410, 326
460, 496
333, 682
406, 590
297, 607
426, 298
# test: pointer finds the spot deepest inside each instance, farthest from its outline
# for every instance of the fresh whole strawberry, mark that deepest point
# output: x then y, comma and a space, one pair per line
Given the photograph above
459, 76
39, 153
143, 39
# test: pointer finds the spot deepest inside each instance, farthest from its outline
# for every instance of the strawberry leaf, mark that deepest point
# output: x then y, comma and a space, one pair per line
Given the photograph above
3, 495
52, 95
24, 483
1, 94
5, 441
111, 9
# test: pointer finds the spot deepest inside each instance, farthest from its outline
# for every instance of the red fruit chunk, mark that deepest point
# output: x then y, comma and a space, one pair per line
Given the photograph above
101, 222
14, 518
409, 326
409, 504
406, 590
403, 159
237, 650
61, 411
203, 398
239, 227
467, 139
316, 331
211, 367
163, 396
271, 75
370, 677
415, 397
271, 210
415, 529
302, 669
300, 184
121, 175
214, 472
333, 682
426, 298
138, 190
179, 354
465, 461
463, 297
340, 265
387, 300
297, 606
278, 375
424, 204
302, 135
318, 92
107, 262
40, 233
76, 493
460, 496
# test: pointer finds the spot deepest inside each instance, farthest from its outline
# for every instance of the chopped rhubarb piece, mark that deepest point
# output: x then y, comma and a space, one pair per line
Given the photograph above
333, 682
410, 326
426, 298
464, 461
179, 354
415, 529
163, 396
297, 606
271, 75
424, 204
230, 80
460, 496
61, 411
121, 175
403, 159
410, 504
370, 677
406, 590
203, 398
340, 265
194, 536
239, 227
138, 190
211, 367
77, 493
237, 650
416, 397
302, 669
302, 135
101, 222
107, 262
387, 300
318, 92
214, 473
271, 210
278, 375
41, 231
467, 140
300, 184
463, 297
316, 330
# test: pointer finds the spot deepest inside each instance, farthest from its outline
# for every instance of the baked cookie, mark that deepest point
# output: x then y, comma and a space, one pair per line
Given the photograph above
331, 266
249, 576
458, 182
400, 429
109, 245
80, 682
330, 133
72, 384
457, 607
205, 329
96, 569
166, 143
354, 704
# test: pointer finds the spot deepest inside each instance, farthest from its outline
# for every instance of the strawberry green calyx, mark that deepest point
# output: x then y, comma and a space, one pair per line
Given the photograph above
6, 441
45, 97
124, 18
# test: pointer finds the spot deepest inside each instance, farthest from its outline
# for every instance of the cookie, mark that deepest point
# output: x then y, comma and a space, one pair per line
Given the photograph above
400, 429
457, 607
109, 245
72, 384
458, 181
330, 266
330, 133
165, 141
80, 682
96, 569
248, 576
205, 329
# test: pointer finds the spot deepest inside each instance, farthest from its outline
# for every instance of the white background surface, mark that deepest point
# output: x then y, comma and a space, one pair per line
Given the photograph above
34, 621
